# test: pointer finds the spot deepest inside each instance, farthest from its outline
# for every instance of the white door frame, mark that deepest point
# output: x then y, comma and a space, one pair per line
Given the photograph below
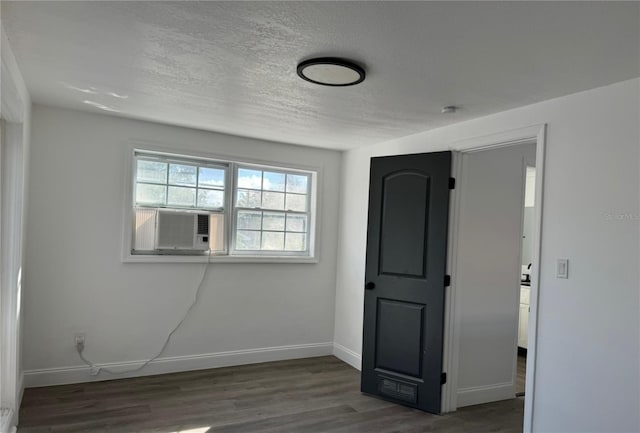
4, 416
533, 134
14, 109
11, 227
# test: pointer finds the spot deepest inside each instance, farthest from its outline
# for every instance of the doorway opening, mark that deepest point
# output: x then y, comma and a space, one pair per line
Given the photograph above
528, 227
482, 322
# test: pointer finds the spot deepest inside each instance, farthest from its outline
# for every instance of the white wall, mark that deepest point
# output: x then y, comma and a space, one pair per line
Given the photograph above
15, 111
487, 271
588, 361
77, 282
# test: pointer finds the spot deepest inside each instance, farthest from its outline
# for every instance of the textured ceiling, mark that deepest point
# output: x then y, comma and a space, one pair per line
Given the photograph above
230, 66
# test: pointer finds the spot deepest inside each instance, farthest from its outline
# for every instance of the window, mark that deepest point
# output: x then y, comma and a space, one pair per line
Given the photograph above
194, 205
271, 210
165, 182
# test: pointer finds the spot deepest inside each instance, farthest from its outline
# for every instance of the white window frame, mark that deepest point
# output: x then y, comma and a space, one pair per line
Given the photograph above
207, 163
231, 164
234, 211
147, 155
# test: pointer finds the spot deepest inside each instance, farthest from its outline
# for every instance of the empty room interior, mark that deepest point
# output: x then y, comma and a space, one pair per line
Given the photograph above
320, 217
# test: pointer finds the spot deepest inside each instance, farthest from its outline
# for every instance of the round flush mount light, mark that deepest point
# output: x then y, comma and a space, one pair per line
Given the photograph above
331, 71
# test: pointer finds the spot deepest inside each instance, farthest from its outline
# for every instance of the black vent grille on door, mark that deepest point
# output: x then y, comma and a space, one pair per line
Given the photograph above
399, 390
203, 224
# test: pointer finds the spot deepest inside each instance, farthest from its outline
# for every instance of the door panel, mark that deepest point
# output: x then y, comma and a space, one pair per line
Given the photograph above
403, 225
399, 353
406, 260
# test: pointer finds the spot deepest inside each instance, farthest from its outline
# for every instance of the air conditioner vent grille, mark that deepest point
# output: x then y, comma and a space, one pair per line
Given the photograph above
175, 230
203, 224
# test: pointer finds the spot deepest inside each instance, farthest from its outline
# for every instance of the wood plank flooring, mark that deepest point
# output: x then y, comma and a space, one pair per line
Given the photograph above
299, 396
522, 372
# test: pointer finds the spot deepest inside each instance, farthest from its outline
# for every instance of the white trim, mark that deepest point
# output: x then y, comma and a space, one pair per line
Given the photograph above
16, 414
147, 258
315, 210
535, 279
347, 355
451, 396
15, 109
6, 417
451, 333
3, 412
80, 373
310, 194
13, 168
14, 92
500, 139
485, 394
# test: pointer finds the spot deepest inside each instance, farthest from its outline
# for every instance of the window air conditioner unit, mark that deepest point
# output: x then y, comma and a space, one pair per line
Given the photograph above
182, 231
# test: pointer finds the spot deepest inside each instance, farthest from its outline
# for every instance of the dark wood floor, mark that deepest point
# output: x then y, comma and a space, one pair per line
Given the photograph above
298, 396
522, 372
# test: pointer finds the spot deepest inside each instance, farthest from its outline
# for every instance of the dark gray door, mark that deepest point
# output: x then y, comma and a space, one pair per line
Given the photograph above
405, 278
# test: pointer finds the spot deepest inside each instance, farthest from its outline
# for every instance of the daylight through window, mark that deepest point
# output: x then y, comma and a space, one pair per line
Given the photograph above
186, 206
272, 210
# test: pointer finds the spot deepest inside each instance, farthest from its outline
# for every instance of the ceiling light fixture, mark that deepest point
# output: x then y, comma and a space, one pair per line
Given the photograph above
331, 71
449, 109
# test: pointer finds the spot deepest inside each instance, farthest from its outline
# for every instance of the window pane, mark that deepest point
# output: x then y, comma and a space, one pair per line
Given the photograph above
151, 171
150, 194
248, 198
246, 240
249, 220
210, 198
211, 177
273, 200
296, 223
296, 202
273, 221
296, 242
273, 181
182, 174
249, 178
272, 241
216, 232
179, 196
297, 183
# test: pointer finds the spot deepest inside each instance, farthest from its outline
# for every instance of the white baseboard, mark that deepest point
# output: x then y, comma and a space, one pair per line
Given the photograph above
485, 394
6, 418
9, 416
13, 420
347, 355
16, 413
79, 374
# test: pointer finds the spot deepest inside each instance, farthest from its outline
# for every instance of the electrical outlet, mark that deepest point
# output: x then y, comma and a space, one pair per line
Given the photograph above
79, 340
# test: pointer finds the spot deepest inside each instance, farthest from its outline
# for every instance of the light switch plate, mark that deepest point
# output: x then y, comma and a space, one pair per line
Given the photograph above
562, 268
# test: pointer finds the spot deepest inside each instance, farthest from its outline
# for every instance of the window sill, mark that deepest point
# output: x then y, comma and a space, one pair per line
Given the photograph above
135, 258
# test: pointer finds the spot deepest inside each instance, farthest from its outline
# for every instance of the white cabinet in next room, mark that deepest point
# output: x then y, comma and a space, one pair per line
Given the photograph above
523, 321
